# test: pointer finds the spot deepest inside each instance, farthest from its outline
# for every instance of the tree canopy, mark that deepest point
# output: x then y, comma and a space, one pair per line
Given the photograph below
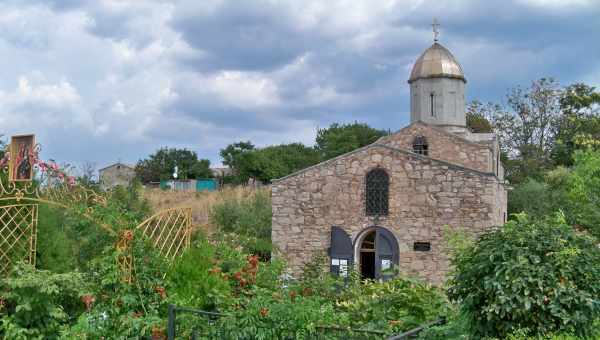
339, 139
276, 161
161, 164
268, 163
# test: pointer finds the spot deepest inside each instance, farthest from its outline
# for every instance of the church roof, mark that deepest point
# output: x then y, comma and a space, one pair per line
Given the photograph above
394, 149
436, 62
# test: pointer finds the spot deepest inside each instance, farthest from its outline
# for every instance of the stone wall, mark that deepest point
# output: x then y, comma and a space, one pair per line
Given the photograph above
444, 146
425, 196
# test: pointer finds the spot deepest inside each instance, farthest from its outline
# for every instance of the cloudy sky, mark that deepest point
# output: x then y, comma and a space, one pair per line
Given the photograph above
108, 80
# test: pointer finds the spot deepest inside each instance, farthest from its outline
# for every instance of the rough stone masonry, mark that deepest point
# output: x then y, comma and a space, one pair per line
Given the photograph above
436, 175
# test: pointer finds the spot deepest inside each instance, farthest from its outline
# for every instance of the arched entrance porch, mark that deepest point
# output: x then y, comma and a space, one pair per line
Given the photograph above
376, 253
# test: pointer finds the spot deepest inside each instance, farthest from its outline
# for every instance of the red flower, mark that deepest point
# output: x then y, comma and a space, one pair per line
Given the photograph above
237, 275
394, 322
88, 300
264, 312
161, 291
128, 235
253, 261
158, 333
215, 270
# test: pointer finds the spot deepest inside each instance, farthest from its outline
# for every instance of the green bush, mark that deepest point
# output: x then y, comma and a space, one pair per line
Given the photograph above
56, 246
395, 305
192, 283
120, 309
37, 303
531, 197
542, 277
248, 218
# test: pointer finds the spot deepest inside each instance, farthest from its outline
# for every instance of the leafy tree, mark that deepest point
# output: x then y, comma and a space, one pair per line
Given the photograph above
232, 152
579, 124
271, 162
541, 277
277, 161
234, 157
580, 188
477, 116
527, 131
339, 139
160, 165
531, 197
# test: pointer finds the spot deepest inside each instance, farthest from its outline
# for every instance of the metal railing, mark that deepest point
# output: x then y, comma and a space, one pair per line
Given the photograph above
322, 332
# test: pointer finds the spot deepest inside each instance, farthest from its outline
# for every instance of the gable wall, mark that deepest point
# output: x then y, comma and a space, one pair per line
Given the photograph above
444, 146
424, 197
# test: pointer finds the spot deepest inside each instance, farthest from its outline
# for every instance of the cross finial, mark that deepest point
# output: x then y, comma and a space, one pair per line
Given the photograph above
436, 32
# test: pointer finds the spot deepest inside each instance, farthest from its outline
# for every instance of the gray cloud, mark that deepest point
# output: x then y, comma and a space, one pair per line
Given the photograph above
106, 80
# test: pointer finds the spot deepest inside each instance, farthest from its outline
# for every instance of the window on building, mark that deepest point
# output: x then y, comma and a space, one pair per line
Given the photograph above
420, 145
431, 96
377, 192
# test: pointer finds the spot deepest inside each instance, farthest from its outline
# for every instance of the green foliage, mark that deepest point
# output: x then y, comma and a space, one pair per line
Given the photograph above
268, 163
582, 187
130, 199
339, 139
532, 197
191, 281
234, 157
477, 114
249, 218
527, 130
395, 305
121, 309
38, 303
574, 191
579, 125
56, 246
276, 161
161, 164
539, 276
67, 240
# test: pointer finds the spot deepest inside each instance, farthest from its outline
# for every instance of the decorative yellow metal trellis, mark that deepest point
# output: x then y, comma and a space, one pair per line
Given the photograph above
169, 230
17, 235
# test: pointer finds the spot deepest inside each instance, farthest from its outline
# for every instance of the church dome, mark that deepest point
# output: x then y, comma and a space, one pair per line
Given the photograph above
436, 62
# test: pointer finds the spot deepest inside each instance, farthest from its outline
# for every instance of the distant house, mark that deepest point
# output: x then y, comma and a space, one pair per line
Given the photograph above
221, 172
116, 174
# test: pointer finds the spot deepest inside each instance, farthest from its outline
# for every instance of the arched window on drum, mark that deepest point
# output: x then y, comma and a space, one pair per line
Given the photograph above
377, 192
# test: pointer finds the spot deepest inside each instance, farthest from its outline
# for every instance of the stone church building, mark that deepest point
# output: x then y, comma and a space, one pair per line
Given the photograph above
383, 207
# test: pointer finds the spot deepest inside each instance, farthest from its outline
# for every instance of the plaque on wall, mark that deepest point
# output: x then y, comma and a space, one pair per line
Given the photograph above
422, 246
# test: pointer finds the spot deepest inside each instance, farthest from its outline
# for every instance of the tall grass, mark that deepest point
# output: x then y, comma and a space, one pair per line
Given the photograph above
202, 203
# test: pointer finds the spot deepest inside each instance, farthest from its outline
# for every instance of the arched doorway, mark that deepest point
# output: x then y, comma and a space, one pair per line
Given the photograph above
366, 258
376, 252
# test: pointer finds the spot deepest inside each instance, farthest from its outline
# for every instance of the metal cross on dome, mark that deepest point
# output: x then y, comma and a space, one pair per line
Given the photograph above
436, 31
